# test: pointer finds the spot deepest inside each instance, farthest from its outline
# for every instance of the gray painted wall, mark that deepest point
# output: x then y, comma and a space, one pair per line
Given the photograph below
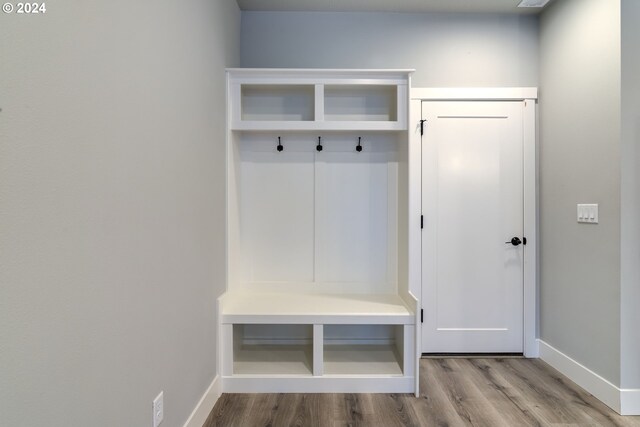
111, 195
446, 49
630, 227
580, 163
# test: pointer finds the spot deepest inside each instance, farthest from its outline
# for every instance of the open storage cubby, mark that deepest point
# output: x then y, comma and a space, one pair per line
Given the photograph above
262, 349
318, 238
361, 103
346, 352
277, 102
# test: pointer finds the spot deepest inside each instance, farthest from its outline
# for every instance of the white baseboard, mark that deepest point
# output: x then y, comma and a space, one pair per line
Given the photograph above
630, 401
602, 389
206, 404
532, 349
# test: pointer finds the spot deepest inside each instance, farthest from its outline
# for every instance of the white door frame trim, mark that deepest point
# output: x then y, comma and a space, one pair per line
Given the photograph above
529, 96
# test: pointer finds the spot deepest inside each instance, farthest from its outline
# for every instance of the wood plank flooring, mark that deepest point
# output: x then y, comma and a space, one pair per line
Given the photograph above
454, 392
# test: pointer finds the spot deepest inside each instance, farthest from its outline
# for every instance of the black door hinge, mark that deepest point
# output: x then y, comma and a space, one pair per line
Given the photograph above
524, 240
421, 315
421, 221
422, 126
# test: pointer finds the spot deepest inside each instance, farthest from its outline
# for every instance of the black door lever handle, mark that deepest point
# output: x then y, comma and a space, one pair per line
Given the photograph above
515, 241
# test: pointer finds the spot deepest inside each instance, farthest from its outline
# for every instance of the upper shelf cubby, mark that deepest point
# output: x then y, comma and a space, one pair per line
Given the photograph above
277, 102
316, 100
361, 103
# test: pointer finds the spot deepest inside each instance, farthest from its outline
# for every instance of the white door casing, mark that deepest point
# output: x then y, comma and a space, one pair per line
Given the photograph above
478, 185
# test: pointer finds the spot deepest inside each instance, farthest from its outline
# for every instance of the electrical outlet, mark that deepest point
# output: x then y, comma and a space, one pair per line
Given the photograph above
158, 409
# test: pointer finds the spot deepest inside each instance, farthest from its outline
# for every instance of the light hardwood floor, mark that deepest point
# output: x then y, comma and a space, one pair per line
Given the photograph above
454, 392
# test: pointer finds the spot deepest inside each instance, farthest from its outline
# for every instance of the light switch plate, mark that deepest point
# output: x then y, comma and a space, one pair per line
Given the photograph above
588, 213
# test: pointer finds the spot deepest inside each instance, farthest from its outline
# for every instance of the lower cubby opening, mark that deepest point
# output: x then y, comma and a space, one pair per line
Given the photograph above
363, 350
272, 349
316, 357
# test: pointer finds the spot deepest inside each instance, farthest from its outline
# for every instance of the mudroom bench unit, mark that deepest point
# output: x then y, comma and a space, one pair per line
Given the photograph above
319, 246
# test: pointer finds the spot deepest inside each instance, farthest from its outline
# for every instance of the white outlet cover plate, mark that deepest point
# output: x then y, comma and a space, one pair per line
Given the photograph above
158, 409
533, 3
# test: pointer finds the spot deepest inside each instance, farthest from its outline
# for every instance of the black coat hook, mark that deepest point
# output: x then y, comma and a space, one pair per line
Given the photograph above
359, 146
319, 146
279, 147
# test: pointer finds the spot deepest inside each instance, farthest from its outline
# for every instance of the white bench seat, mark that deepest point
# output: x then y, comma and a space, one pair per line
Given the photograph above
278, 308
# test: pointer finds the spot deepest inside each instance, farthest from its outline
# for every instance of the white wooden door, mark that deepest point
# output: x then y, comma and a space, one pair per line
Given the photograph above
472, 202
